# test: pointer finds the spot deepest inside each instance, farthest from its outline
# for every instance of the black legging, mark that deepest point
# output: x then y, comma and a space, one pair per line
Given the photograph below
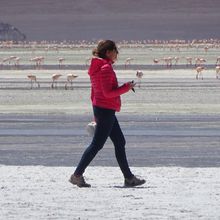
107, 126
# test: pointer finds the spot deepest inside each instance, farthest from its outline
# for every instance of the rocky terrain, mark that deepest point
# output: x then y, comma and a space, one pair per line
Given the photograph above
9, 32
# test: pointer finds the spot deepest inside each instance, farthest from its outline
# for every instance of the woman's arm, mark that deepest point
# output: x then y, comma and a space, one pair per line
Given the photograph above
108, 91
92, 93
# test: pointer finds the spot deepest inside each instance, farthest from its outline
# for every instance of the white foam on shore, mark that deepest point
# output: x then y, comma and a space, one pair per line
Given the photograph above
37, 192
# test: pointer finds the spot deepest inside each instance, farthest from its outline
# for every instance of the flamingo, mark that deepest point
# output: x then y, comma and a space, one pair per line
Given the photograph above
12, 58
35, 59
206, 49
199, 70
9, 59
33, 78
139, 75
189, 61
199, 61
56, 48
70, 78
168, 61
217, 69
156, 61
6, 60
38, 61
128, 61
61, 59
55, 77
218, 60
41, 60
17, 61
176, 60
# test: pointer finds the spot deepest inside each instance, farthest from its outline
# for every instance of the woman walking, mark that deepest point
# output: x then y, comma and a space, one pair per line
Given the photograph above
105, 96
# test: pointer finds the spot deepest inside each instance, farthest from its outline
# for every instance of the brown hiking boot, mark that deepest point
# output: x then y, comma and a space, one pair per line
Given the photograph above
133, 181
79, 181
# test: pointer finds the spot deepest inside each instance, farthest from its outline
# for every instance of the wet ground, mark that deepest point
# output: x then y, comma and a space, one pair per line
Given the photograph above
167, 140
167, 122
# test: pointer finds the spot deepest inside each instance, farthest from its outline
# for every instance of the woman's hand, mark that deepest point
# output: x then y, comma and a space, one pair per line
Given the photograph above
132, 85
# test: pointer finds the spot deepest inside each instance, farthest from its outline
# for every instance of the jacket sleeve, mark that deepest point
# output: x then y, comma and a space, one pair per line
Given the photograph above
106, 78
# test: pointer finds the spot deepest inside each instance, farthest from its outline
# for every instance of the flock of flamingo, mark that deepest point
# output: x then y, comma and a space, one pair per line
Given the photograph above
55, 77
38, 61
199, 64
69, 79
169, 62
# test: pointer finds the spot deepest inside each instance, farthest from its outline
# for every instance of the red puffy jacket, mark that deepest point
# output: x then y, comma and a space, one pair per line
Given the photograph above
105, 92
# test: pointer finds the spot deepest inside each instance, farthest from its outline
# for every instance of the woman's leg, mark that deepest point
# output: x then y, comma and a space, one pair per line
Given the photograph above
105, 120
118, 140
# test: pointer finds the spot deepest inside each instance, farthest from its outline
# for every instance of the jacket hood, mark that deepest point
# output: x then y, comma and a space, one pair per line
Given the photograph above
96, 64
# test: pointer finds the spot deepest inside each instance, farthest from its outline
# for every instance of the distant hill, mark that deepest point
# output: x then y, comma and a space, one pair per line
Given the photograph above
11, 33
124, 19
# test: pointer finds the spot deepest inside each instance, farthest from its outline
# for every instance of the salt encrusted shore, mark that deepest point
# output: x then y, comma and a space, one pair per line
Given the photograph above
38, 192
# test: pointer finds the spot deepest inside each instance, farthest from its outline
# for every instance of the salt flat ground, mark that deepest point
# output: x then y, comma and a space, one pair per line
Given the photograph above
37, 192
171, 125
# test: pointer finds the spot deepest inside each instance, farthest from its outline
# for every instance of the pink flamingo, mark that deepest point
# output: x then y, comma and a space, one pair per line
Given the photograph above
128, 61
199, 61
61, 59
218, 60
38, 61
199, 70
176, 60
168, 61
70, 78
156, 61
189, 61
139, 75
17, 62
33, 79
217, 69
55, 77
206, 49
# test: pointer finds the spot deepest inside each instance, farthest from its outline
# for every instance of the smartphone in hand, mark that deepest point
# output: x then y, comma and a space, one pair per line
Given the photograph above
133, 87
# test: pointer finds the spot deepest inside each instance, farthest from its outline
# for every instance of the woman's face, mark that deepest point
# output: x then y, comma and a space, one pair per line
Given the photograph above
112, 55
